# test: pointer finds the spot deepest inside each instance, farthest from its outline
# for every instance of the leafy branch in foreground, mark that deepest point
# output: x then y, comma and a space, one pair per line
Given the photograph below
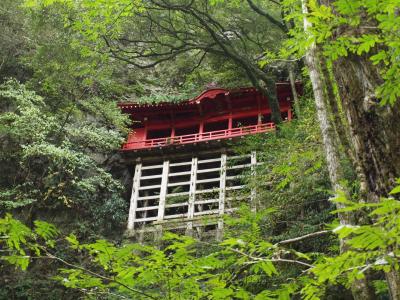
188, 269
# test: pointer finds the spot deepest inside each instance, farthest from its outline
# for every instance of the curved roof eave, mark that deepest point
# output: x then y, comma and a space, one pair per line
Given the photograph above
208, 94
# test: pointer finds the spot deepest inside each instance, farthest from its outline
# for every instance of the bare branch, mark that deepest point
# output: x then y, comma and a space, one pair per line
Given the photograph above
199, 62
300, 238
271, 19
256, 259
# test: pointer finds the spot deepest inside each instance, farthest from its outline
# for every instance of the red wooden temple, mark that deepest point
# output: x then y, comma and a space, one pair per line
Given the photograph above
215, 114
184, 177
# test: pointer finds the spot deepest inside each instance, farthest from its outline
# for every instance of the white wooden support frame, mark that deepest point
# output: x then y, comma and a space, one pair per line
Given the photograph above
192, 194
163, 191
134, 196
209, 195
222, 195
253, 193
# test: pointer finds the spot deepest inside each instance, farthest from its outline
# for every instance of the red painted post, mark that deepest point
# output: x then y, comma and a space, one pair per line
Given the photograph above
201, 129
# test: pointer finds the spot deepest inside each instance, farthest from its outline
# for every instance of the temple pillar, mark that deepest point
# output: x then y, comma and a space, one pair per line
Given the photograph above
201, 129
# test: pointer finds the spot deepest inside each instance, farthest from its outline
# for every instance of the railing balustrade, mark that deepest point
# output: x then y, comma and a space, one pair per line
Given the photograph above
199, 137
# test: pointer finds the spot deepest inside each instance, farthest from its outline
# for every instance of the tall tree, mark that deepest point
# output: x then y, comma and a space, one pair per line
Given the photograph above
374, 133
361, 289
357, 37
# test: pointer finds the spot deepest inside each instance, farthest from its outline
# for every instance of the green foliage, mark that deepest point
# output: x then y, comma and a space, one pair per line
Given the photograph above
293, 178
55, 159
208, 43
17, 240
225, 271
367, 28
145, 272
373, 247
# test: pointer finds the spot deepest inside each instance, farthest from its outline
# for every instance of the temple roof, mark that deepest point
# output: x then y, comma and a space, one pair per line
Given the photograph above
205, 95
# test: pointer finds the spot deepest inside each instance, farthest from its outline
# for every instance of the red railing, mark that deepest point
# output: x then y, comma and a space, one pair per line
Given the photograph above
199, 137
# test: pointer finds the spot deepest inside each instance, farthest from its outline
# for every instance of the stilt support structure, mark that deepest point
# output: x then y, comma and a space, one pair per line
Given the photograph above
190, 195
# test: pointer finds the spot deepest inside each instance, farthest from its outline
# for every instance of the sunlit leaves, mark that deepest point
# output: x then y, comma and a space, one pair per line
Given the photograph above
15, 232
396, 190
18, 242
178, 269
348, 7
75, 278
17, 260
312, 291
367, 41
365, 28
74, 243
267, 267
381, 56
46, 231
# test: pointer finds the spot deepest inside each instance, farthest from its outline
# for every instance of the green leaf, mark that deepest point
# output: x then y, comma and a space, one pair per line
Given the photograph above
20, 261
268, 268
73, 241
220, 293
380, 56
16, 232
367, 41
45, 230
396, 190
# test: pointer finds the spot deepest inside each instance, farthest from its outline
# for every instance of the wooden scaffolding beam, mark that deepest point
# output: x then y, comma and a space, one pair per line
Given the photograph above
134, 196
222, 194
192, 195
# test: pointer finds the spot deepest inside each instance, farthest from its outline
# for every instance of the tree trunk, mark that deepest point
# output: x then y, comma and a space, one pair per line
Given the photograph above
373, 129
269, 91
360, 288
374, 133
393, 280
338, 118
292, 80
337, 114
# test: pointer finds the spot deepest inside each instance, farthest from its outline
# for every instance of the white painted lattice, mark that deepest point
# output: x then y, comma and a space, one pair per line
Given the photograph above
187, 190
